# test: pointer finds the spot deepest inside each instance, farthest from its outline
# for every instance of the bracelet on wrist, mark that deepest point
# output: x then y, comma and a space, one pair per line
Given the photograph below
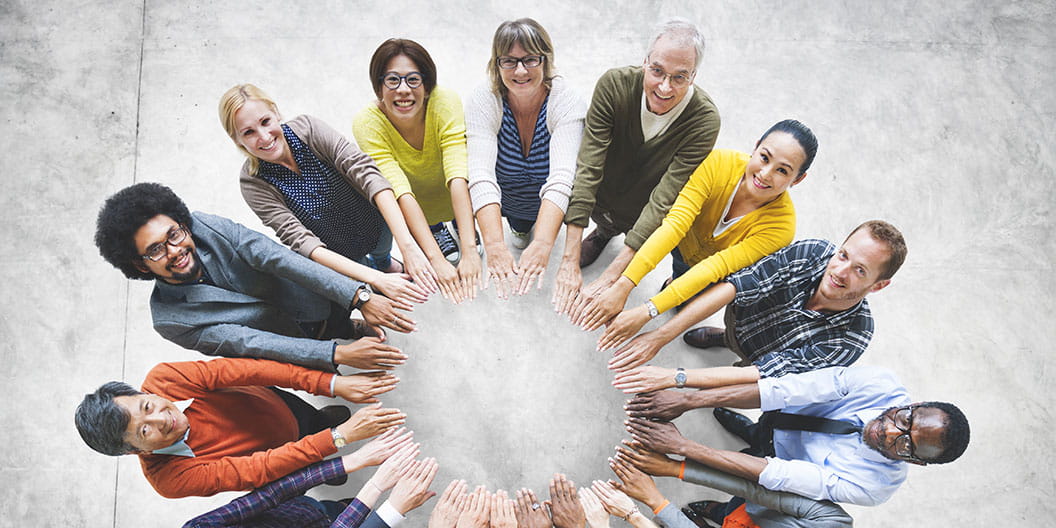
633, 511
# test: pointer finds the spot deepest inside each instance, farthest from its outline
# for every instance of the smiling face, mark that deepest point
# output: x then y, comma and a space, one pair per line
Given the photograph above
667, 59
180, 263
773, 167
925, 426
522, 81
154, 422
403, 105
258, 130
853, 271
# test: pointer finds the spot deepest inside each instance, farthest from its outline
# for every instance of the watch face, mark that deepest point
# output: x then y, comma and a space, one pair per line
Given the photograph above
680, 378
364, 295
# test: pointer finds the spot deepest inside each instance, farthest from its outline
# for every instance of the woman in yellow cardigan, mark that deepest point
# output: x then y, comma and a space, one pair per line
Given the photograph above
416, 134
732, 212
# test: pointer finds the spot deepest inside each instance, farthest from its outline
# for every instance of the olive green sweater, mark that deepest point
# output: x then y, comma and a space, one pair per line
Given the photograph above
636, 181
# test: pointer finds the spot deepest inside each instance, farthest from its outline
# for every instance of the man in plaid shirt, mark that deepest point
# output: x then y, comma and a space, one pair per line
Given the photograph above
799, 309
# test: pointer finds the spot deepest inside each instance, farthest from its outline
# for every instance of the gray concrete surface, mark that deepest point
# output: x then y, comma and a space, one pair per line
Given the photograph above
936, 116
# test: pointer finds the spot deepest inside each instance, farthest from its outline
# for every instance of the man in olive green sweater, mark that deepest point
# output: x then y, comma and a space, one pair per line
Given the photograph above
647, 129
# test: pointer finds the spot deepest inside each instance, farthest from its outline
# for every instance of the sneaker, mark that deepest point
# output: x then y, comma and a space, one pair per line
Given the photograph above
521, 240
446, 242
591, 248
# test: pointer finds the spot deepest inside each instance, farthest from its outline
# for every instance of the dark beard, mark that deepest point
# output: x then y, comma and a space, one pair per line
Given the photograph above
192, 274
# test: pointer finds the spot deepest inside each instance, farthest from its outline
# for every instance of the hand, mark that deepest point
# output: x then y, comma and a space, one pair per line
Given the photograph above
477, 510
635, 483
645, 379
452, 502
626, 324
379, 311
470, 273
650, 462
369, 421
533, 264
400, 290
597, 517
413, 488
566, 286
600, 309
588, 296
420, 270
395, 467
616, 502
564, 503
663, 405
640, 350
447, 278
530, 512
501, 270
369, 353
662, 437
502, 515
378, 450
362, 388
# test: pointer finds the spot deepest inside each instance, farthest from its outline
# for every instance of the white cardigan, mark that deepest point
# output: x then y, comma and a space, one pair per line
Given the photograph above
565, 111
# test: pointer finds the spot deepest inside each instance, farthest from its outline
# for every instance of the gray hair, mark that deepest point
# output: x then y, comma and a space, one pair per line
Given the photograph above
684, 33
102, 422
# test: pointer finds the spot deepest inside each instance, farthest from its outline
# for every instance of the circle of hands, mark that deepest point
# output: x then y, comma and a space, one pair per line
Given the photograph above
409, 479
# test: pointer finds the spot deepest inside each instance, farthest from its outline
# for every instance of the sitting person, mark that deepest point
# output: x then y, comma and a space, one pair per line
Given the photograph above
202, 427
283, 503
323, 197
757, 506
416, 133
646, 129
845, 434
802, 308
733, 211
223, 289
523, 130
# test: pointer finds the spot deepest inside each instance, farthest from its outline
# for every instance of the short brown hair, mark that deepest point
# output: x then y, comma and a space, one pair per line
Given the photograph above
532, 37
395, 47
882, 231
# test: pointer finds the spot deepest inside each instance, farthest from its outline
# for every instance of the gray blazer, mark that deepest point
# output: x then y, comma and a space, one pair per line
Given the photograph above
768, 508
262, 290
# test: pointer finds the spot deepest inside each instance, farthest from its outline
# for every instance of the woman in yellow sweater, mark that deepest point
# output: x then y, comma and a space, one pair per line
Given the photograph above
416, 134
732, 212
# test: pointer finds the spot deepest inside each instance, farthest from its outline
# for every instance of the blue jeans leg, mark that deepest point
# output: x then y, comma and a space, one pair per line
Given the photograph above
379, 258
521, 225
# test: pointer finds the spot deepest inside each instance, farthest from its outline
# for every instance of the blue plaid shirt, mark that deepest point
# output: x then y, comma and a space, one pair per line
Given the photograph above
774, 328
281, 504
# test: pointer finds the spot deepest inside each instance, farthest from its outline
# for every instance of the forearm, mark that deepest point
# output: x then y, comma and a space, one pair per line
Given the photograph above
708, 303
419, 227
573, 242
386, 203
619, 264
738, 464
345, 265
460, 203
706, 378
741, 396
489, 218
639, 520
548, 223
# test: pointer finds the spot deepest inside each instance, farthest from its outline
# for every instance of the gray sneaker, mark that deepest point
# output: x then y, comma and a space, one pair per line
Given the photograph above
521, 240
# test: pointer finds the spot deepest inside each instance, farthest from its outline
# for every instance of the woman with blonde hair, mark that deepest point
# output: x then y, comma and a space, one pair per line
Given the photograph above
523, 130
324, 198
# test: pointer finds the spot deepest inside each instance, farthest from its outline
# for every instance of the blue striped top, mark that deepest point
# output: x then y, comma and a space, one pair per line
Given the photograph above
521, 177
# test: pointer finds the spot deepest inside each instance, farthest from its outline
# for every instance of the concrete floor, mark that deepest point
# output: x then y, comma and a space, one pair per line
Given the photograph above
938, 118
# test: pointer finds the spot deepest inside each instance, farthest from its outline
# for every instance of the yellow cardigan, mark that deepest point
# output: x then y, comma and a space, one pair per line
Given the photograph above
426, 173
691, 223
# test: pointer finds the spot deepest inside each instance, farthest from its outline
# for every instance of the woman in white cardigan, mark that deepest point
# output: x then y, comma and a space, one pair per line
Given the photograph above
523, 130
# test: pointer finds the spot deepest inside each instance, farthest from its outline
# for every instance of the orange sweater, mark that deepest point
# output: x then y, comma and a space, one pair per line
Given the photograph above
242, 434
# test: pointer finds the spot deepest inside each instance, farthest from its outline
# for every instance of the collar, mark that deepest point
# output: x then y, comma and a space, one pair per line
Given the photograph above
180, 448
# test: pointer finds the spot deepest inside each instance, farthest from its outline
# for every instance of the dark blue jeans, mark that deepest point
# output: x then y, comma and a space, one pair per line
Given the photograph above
521, 225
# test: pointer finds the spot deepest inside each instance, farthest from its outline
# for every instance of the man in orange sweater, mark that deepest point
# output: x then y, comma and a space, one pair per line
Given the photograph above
203, 427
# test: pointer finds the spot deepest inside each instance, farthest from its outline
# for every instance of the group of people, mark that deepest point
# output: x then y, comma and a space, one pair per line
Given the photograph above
637, 160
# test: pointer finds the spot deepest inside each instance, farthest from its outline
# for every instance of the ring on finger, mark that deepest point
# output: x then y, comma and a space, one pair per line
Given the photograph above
535, 506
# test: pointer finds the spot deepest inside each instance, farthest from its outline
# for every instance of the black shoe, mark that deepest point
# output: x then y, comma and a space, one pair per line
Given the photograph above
705, 337
339, 480
698, 519
447, 243
735, 422
591, 248
335, 415
713, 511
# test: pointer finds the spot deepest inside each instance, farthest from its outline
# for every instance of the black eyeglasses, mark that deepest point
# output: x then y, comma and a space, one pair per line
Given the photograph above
903, 420
529, 61
392, 80
156, 252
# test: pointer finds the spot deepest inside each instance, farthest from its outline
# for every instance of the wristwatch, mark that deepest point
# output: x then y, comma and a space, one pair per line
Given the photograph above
339, 441
680, 377
653, 312
362, 296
